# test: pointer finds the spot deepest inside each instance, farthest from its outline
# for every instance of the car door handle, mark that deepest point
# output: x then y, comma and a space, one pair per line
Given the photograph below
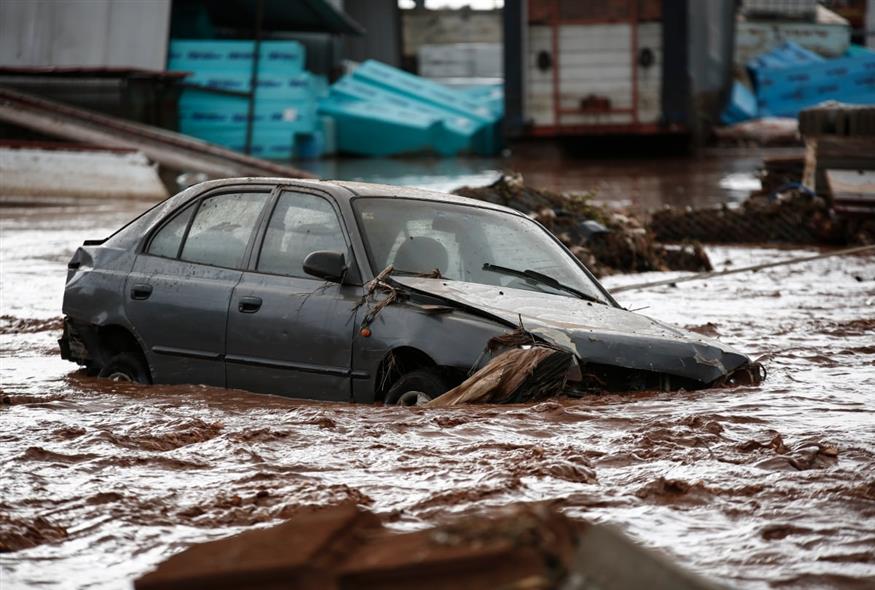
141, 291
249, 304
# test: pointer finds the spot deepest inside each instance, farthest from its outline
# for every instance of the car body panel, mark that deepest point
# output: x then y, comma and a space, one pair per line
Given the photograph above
299, 341
455, 340
183, 319
597, 333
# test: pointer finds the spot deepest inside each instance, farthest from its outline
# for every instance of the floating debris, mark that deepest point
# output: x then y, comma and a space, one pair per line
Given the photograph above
530, 546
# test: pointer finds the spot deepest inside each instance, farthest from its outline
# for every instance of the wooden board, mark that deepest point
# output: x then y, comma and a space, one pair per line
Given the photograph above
853, 191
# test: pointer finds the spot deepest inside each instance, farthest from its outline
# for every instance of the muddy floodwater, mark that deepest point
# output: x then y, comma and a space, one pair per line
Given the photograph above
755, 487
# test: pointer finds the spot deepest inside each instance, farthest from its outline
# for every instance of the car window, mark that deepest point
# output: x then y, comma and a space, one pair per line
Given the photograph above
300, 224
221, 229
420, 248
466, 243
167, 240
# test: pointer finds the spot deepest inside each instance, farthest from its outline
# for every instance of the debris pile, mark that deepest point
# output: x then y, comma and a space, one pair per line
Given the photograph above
824, 196
795, 217
522, 546
606, 241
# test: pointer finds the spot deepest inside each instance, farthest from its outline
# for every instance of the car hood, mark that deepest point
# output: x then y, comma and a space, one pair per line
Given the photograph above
597, 333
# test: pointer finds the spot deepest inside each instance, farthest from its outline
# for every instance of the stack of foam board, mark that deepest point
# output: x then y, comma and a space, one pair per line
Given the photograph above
379, 110
789, 79
286, 95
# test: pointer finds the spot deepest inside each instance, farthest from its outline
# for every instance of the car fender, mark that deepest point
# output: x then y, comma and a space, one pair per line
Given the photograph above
94, 295
450, 337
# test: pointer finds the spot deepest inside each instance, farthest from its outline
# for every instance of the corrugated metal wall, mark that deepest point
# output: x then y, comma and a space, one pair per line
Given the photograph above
95, 33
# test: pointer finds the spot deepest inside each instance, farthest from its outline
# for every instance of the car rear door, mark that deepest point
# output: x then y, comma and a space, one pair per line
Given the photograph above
290, 333
178, 293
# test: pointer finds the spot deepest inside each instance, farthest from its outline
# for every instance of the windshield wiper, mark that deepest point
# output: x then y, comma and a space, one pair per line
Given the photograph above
539, 277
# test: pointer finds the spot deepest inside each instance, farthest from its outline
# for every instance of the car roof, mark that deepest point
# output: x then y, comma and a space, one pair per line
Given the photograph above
355, 189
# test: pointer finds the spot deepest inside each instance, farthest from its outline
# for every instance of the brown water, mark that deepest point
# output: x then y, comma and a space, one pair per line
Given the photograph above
716, 176
760, 487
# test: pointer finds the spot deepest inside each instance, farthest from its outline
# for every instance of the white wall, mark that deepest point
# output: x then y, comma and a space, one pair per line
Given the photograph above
118, 33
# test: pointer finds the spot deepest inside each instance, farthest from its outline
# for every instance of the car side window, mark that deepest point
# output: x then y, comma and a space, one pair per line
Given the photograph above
166, 240
300, 224
221, 229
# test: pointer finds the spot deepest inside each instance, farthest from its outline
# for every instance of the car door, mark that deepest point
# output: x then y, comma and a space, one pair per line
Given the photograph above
290, 333
178, 292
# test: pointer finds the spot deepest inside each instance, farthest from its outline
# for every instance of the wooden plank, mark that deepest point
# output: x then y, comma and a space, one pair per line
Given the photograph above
810, 171
853, 191
174, 150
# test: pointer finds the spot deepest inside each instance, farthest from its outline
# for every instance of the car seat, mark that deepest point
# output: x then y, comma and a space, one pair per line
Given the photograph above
421, 255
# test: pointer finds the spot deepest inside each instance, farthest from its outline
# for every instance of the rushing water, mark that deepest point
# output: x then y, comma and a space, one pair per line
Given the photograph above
755, 486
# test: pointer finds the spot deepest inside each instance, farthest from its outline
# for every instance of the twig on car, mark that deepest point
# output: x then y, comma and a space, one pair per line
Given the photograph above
379, 283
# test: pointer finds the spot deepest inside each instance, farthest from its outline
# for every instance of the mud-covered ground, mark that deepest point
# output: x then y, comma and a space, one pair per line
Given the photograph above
770, 486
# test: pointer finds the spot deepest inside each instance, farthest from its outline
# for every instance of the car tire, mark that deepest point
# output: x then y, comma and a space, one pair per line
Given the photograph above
126, 367
415, 388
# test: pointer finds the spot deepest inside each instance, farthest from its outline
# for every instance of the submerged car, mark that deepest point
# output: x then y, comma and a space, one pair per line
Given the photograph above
352, 291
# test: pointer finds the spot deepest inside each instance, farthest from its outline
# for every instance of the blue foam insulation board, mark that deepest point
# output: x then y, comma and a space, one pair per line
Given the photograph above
379, 110
285, 99
198, 55
785, 86
742, 105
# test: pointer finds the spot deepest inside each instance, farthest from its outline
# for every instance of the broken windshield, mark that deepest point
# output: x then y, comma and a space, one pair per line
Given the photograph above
463, 242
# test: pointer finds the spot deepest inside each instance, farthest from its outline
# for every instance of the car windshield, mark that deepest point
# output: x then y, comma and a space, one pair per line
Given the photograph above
471, 244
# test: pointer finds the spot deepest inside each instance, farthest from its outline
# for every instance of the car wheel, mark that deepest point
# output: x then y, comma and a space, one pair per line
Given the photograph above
126, 367
415, 388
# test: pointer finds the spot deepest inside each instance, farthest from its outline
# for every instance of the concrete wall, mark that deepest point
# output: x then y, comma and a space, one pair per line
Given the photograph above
432, 27
132, 33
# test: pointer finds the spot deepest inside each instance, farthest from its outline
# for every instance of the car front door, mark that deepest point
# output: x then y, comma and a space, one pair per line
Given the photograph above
290, 333
178, 292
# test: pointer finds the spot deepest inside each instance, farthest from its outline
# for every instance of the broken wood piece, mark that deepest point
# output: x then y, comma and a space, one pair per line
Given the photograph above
341, 547
514, 376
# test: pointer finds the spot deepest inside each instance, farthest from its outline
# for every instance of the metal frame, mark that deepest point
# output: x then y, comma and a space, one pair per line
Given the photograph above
555, 22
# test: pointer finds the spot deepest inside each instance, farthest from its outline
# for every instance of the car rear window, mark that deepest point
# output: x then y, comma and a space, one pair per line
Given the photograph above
166, 240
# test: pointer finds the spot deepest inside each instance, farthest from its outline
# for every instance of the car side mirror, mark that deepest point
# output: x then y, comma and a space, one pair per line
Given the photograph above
323, 264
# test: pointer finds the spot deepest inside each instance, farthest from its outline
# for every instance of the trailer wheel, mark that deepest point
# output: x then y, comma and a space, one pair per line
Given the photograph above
415, 388
127, 367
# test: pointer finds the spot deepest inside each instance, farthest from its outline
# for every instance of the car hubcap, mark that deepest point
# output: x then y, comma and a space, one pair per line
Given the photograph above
119, 376
414, 398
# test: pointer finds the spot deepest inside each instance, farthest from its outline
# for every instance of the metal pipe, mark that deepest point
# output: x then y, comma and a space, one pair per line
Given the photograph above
557, 98
709, 275
633, 33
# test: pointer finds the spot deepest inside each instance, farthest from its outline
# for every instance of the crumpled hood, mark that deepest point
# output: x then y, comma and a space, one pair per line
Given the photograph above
596, 333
